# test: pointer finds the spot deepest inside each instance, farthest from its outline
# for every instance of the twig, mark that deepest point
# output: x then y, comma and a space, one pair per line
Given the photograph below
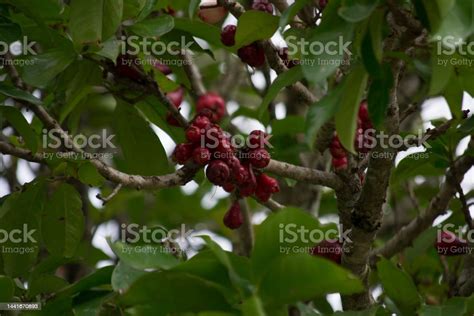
246, 231
111, 195
193, 74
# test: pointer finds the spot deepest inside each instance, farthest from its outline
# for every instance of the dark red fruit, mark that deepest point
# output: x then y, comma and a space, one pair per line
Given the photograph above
240, 174
228, 35
268, 183
201, 156
201, 121
218, 172
259, 158
176, 97
212, 13
248, 187
339, 163
193, 134
229, 187
364, 111
171, 120
262, 194
211, 105
289, 63
257, 139
262, 5
448, 244
233, 219
323, 4
331, 250
253, 55
337, 151
182, 153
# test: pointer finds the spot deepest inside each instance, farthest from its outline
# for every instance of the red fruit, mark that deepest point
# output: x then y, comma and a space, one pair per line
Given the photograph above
176, 97
289, 63
212, 13
218, 172
229, 187
162, 68
233, 219
259, 158
171, 120
253, 55
339, 163
201, 121
201, 156
169, 10
331, 250
262, 194
268, 183
193, 134
248, 187
257, 139
448, 244
364, 111
262, 5
182, 153
211, 105
228, 35
323, 4
337, 151
240, 175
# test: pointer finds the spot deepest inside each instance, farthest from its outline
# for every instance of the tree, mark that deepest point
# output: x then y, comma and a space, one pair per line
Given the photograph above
94, 92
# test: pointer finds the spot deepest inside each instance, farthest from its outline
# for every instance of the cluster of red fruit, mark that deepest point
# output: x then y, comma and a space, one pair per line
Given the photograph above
207, 144
448, 244
339, 154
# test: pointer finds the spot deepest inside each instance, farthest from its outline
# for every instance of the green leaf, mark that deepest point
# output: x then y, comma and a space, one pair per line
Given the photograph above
378, 98
290, 125
346, 117
18, 121
154, 27
124, 275
302, 277
110, 49
175, 292
291, 12
22, 211
207, 32
141, 147
63, 221
467, 126
152, 256
7, 289
441, 73
45, 284
94, 20
19, 94
393, 279
88, 174
321, 112
454, 94
253, 307
356, 11
283, 80
269, 243
43, 68
254, 26
422, 164
100, 277
458, 22
9, 31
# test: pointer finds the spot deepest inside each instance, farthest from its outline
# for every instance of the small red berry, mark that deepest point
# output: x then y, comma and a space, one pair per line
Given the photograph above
259, 158
240, 174
331, 250
262, 194
182, 153
193, 134
229, 187
233, 219
201, 121
364, 111
218, 172
212, 13
262, 5
211, 105
257, 139
176, 97
201, 156
228, 35
268, 183
253, 55
339, 163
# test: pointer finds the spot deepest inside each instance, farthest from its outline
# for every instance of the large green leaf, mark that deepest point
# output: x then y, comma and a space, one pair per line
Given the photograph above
302, 277
143, 257
153, 27
94, 20
88, 174
18, 121
22, 211
7, 288
175, 292
207, 32
141, 147
355, 11
253, 26
124, 275
19, 94
346, 117
393, 279
63, 221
